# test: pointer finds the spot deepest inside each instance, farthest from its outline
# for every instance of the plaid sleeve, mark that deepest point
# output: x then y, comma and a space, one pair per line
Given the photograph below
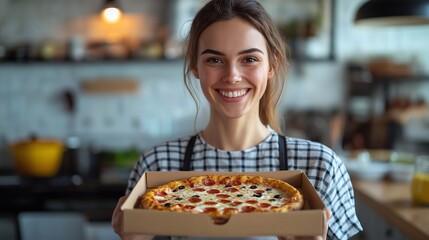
338, 197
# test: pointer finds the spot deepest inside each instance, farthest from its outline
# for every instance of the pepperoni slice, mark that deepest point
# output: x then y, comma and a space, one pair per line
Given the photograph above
248, 209
161, 193
210, 209
252, 202
231, 190
210, 203
162, 201
260, 191
230, 210
213, 191
264, 205
224, 181
188, 207
208, 182
224, 201
236, 203
198, 189
236, 183
194, 200
222, 195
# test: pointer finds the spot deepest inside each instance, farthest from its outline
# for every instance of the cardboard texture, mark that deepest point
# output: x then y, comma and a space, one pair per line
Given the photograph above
306, 222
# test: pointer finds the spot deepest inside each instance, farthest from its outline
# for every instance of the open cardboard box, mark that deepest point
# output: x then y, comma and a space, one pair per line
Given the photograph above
306, 222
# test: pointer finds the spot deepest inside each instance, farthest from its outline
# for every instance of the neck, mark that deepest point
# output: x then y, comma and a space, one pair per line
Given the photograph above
234, 134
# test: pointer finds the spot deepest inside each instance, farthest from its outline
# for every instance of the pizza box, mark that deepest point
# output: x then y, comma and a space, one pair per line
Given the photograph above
306, 222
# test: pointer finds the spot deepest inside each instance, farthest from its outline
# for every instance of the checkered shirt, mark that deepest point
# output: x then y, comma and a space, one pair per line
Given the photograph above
322, 166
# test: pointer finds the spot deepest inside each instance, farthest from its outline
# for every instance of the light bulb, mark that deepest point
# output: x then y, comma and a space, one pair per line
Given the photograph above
111, 14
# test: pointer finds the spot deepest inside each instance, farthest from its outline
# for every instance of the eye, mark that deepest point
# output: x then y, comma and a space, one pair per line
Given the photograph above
250, 60
213, 60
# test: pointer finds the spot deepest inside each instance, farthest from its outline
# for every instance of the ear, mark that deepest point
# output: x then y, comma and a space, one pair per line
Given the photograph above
195, 72
270, 73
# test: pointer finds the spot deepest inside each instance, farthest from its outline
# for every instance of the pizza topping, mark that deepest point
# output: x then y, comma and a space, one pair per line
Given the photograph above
209, 182
258, 195
213, 191
210, 209
222, 196
236, 183
199, 190
167, 204
252, 201
194, 200
278, 196
264, 205
161, 193
236, 203
248, 209
224, 201
232, 190
253, 187
210, 203
195, 196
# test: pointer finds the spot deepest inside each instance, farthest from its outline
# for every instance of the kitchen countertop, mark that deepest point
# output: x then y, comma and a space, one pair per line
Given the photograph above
393, 202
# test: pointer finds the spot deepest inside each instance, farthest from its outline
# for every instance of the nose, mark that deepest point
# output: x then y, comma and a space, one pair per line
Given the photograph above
232, 73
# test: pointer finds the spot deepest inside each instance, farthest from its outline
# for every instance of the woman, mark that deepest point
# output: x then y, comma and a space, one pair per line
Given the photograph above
237, 56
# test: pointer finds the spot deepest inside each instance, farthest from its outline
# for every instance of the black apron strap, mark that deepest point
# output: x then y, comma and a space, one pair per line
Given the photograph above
188, 154
283, 153
190, 147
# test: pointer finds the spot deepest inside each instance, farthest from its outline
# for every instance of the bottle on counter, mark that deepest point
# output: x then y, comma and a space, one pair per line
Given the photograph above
420, 183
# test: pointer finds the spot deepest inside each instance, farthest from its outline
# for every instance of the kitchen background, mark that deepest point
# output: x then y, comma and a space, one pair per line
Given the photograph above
106, 88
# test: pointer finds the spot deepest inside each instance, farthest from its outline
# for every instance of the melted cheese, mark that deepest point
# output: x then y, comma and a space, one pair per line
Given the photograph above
273, 197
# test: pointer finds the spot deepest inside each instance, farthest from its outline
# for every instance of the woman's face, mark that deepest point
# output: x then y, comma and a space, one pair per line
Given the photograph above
233, 68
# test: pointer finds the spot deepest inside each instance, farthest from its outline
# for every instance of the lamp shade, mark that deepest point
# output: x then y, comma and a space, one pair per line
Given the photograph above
393, 13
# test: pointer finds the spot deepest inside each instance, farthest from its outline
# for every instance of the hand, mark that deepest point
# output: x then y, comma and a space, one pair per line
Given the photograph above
117, 219
327, 216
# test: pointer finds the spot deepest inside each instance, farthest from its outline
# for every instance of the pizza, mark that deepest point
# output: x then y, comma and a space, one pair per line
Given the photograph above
222, 196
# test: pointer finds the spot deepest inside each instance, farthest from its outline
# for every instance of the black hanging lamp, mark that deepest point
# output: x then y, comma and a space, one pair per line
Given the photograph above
111, 11
393, 13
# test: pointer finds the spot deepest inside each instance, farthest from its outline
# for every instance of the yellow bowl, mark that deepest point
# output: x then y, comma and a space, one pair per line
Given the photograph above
38, 158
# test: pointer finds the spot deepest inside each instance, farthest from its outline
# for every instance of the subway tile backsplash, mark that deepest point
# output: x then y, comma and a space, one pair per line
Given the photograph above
32, 102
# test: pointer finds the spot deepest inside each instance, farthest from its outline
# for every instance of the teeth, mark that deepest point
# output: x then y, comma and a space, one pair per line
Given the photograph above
233, 94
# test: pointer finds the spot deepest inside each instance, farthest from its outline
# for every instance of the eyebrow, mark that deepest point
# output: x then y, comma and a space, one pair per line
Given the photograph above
250, 50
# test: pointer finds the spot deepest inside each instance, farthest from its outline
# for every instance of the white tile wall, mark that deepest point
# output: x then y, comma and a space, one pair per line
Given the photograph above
31, 103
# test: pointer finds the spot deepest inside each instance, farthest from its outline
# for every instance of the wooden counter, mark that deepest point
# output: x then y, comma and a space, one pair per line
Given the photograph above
392, 201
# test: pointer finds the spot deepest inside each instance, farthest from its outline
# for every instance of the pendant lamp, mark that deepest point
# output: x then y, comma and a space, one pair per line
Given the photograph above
111, 11
393, 13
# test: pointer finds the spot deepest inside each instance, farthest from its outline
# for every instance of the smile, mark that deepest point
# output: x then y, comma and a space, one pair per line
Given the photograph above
233, 94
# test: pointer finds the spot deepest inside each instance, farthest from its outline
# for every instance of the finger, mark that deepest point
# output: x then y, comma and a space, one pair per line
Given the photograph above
117, 216
327, 214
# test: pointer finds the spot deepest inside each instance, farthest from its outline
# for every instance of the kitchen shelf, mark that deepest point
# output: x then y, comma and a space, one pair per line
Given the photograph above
106, 61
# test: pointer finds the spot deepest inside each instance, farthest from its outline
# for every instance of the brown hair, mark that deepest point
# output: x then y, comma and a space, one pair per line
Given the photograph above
255, 14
